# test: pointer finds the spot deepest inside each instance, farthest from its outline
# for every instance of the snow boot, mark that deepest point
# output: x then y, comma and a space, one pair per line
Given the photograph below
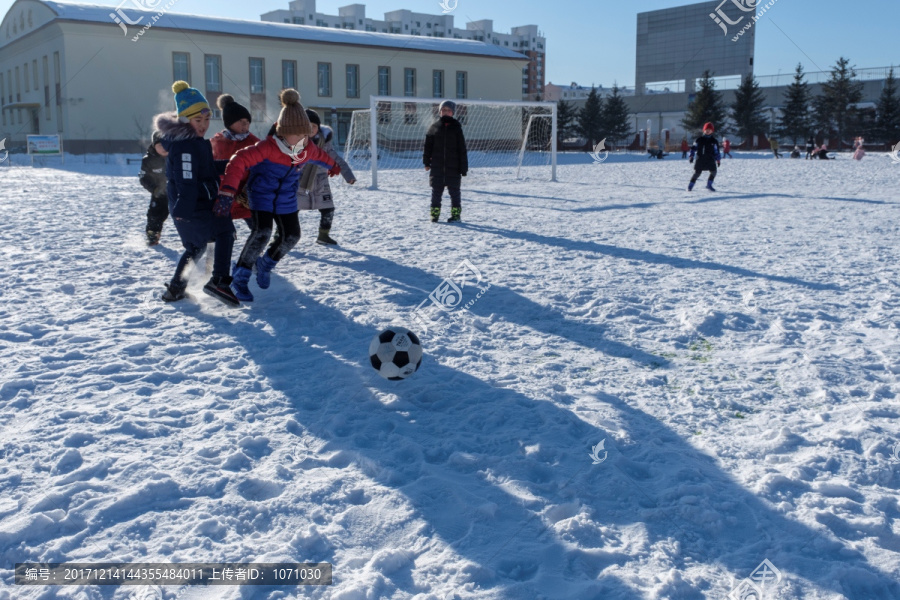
240, 277
691, 186
455, 215
709, 186
324, 238
174, 293
264, 266
435, 213
220, 289
153, 237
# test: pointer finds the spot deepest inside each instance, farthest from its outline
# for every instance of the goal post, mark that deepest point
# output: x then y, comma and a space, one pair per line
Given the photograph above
390, 134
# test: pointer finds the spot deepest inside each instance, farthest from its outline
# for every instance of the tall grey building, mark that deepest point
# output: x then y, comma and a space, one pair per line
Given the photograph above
679, 44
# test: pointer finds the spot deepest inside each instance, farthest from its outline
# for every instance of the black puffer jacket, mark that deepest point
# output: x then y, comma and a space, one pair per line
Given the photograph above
153, 173
445, 152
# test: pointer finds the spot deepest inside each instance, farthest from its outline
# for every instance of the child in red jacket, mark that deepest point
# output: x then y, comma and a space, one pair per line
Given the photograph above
234, 137
272, 172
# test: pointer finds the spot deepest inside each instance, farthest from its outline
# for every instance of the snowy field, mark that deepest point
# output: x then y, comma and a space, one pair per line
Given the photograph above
736, 354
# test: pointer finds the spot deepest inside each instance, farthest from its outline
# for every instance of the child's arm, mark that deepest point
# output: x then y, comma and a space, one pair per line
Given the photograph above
315, 155
346, 171
237, 168
429, 149
145, 176
463, 155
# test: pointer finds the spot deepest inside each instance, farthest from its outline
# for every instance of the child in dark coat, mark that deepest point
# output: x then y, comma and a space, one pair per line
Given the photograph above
192, 190
227, 142
706, 150
153, 178
272, 172
314, 191
446, 157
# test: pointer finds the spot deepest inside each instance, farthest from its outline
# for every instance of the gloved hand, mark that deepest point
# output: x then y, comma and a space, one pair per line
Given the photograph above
222, 207
335, 170
691, 160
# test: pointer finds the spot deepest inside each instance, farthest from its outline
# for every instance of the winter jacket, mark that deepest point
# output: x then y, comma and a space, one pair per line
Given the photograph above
272, 175
224, 146
153, 172
190, 168
314, 192
706, 149
445, 153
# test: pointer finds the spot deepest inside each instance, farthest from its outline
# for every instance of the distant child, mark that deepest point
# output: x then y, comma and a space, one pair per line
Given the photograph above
446, 157
314, 191
810, 148
795, 153
726, 148
773, 143
153, 178
684, 148
822, 152
272, 168
192, 190
706, 149
858, 152
235, 136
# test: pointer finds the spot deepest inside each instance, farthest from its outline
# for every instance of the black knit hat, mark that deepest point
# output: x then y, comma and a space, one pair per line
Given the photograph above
313, 117
232, 112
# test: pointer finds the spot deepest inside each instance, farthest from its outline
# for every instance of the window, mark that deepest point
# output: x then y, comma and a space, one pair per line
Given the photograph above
409, 82
289, 74
181, 66
257, 76
353, 81
212, 66
384, 81
18, 87
27, 79
462, 87
46, 90
58, 91
437, 84
324, 79
298, 20
383, 110
410, 113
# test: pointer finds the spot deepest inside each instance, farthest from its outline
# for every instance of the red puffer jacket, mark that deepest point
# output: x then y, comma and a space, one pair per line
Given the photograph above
223, 149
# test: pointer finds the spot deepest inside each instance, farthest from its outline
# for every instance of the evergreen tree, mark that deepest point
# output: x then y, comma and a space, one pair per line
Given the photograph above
615, 117
707, 105
796, 122
888, 109
746, 112
565, 121
835, 112
590, 118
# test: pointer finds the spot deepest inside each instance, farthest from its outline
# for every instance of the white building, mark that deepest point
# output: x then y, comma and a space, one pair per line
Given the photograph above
97, 74
575, 92
525, 39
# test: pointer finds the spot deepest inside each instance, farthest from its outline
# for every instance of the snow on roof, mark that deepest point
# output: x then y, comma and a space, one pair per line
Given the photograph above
77, 11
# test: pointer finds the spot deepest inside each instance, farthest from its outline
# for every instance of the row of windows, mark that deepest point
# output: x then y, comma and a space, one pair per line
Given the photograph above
181, 69
11, 84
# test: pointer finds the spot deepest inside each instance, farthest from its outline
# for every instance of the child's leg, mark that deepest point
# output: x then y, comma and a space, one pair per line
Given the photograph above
437, 191
326, 218
259, 237
455, 203
696, 176
286, 236
712, 173
223, 231
157, 213
193, 238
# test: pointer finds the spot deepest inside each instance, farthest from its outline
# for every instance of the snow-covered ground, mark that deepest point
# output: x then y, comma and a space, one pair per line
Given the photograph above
736, 354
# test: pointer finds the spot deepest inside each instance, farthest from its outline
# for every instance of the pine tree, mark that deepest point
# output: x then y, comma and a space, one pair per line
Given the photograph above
796, 122
746, 112
888, 109
590, 118
565, 121
615, 117
707, 105
834, 108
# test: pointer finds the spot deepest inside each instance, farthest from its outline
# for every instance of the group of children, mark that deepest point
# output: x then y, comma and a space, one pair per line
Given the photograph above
206, 184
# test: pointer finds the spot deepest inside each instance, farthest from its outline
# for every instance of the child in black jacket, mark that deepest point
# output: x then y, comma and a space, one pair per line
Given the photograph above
153, 178
446, 157
706, 150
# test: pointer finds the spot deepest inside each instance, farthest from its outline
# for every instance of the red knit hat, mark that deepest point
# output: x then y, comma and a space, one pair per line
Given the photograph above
708, 125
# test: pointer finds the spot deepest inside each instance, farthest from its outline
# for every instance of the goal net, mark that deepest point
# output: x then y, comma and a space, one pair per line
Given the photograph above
514, 139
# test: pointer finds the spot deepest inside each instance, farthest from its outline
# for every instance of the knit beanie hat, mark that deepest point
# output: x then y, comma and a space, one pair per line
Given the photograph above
710, 126
189, 102
292, 119
232, 112
313, 117
448, 104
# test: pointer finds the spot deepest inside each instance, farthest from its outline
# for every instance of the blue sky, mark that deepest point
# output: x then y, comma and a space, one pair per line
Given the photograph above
594, 41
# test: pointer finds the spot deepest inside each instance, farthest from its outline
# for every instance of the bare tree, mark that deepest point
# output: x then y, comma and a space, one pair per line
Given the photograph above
85, 130
143, 131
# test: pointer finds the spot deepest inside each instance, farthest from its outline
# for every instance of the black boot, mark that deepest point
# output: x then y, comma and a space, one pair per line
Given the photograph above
455, 215
220, 289
174, 292
324, 238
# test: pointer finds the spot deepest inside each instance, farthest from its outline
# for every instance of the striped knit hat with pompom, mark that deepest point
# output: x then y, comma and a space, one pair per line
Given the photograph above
189, 102
292, 120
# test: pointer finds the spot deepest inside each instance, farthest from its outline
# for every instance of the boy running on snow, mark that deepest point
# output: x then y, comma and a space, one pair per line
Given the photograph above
706, 149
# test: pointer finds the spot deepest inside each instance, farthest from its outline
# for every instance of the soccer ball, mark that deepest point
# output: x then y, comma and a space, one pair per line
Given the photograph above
395, 353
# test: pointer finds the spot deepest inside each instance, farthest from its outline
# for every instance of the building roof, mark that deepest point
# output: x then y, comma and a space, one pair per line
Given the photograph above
96, 13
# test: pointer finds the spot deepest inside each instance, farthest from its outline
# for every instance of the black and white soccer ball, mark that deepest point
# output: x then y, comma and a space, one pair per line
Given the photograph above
396, 353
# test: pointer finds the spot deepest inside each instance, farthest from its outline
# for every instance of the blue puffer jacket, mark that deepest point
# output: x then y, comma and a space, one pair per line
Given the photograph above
193, 179
272, 175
